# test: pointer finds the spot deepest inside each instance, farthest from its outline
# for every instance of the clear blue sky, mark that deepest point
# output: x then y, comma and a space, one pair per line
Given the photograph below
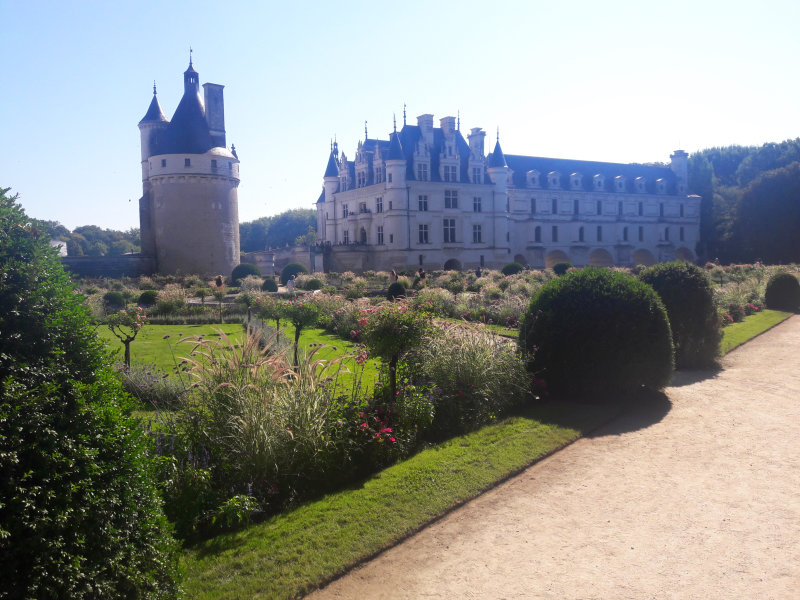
622, 81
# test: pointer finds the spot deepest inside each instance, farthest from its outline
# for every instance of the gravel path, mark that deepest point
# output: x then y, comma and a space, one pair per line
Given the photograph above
696, 495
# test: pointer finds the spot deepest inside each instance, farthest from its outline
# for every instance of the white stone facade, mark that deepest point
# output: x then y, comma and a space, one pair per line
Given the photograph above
428, 197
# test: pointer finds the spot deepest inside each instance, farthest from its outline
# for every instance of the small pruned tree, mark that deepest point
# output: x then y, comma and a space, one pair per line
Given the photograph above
269, 308
126, 325
219, 295
302, 315
391, 330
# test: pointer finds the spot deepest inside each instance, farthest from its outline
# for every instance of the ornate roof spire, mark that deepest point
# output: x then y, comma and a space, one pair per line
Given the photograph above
190, 56
458, 121
394, 122
154, 87
366, 135
404, 114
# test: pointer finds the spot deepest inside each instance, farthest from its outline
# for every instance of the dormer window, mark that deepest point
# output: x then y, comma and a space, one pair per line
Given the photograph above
450, 173
477, 175
661, 186
640, 183
533, 178
422, 171
553, 179
599, 182
619, 183
576, 181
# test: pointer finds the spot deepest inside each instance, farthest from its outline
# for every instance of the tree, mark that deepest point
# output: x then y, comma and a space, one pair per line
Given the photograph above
302, 315
277, 231
80, 515
126, 325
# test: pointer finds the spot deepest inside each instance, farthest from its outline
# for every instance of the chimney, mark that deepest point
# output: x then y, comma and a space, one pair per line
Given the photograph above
215, 113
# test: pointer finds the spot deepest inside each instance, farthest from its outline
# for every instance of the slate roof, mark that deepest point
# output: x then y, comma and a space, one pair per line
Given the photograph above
154, 112
332, 169
497, 158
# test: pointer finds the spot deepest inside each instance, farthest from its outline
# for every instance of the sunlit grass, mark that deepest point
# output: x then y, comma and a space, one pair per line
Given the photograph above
736, 334
295, 552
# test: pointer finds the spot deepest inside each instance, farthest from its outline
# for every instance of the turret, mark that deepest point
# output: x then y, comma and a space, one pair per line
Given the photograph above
498, 172
331, 177
680, 166
152, 122
395, 164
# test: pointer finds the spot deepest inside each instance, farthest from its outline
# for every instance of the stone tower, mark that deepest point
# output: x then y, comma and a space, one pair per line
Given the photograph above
189, 210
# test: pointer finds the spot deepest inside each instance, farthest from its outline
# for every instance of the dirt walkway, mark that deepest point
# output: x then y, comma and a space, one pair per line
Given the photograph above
697, 496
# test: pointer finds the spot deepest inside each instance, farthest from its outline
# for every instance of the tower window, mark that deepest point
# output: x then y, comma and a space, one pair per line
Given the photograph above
187, 162
214, 164
163, 162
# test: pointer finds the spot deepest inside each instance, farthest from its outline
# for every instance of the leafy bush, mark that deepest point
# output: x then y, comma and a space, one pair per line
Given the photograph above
80, 514
561, 268
512, 268
251, 283
688, 296
783, 292
148, 297
114, 299
171, 299
269, 285
242, 270
313, 284
396, 290
356, 288
292, 269
597, 332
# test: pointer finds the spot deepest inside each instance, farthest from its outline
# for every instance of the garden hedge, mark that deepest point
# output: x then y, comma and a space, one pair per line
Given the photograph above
242, 270
687, 294
597, 332
783, 292
292, 269
512, 268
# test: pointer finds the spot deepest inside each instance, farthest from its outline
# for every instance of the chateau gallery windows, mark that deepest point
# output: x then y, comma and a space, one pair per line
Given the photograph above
451, 198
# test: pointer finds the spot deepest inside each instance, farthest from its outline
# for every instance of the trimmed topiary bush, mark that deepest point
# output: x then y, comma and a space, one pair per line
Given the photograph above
597, 332
686, 292
114, 299
396, 290
269, 285
148, 297
292, 269
561, 268
512, 268
313, 284
242, 270
783, 292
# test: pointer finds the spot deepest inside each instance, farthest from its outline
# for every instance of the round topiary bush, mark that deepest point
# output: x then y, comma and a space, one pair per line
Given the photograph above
269, 285
114, 298
396, 290
242, 270
561, 268
512, 268
148, 297
685, 289
313, 284
292, 269
783, 292
596, 332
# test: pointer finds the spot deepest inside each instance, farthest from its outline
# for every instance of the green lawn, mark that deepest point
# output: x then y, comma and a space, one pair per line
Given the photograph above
736, 334
159, 345
295, 552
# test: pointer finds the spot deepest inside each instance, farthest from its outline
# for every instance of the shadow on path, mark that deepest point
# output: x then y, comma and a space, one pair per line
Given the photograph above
639, 411
691, 376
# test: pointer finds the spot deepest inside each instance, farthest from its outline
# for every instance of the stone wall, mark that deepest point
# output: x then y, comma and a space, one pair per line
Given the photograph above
128, 265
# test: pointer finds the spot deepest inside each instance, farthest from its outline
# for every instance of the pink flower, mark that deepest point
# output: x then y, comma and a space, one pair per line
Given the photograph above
386, 430
392, 439
363, 425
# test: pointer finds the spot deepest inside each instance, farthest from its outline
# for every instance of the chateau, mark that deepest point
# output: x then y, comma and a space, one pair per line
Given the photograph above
427, 197
189, 211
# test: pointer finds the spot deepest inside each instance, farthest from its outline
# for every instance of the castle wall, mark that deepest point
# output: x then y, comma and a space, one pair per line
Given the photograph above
196, 224
128, 265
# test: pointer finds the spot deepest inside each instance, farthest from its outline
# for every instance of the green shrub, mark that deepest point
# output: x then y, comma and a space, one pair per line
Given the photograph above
148, 297
80, 515
114, 298
561, 268
242, 270
396, 290
512, 268
688, 296
597, 332
783, 292
292, 269
313, 284
152, 387
269, 285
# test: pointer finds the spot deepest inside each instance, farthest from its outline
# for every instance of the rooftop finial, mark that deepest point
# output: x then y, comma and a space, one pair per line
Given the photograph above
154, 87
190, 56
498, 134
366, 135
394, 122
458, 121
404, 114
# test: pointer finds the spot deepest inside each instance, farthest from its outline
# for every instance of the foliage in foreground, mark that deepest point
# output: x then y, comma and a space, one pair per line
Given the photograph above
80, 516
686, 292
783, 292
596, 332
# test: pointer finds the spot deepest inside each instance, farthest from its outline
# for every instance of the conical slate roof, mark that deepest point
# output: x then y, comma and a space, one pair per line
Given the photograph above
154, 112
332, 169
395, 149
497, 158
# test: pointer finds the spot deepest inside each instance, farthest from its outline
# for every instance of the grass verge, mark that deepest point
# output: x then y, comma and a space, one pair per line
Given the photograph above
736, 334
295, 552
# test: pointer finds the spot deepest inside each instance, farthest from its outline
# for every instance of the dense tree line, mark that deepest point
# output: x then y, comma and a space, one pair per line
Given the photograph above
751, 201
91, 240
296, 226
